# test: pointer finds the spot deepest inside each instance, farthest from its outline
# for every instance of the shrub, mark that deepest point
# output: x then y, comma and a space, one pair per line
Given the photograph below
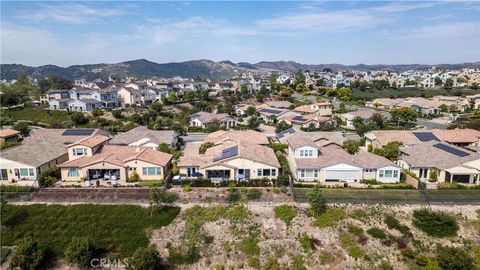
285, 213
254, 262
421, 260
80, 250
254, 194
249, 246
330, 217
386, 266
359, 214
134, 177
326, 257
271, 264
377, 233
208, 239
47, 181
347, 241
297, 263
393, 223
355, 230
436, 224
28, 255
408, 252
97, 112
305, 242
186, 187
233, 196
177, 256
117, 114
452, 258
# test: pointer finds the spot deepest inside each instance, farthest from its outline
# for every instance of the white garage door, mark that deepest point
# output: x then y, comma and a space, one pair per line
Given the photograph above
340, 174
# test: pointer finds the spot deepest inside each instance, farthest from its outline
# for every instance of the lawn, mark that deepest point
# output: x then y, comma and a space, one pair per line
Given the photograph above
456, 195
408, 92
36, 115
118, 229
363, 195
151, 183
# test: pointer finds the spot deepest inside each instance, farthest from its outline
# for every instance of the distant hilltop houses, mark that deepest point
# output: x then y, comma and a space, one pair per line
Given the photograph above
130, 91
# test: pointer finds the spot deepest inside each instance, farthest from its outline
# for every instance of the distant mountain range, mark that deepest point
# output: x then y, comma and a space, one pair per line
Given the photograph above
204, 68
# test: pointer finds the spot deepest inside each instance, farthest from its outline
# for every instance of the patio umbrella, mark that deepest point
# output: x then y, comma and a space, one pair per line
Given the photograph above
240, 176
197, 174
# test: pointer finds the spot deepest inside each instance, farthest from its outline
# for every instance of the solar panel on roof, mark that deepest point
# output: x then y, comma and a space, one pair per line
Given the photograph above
451, 150
227, 153
195, 115
283, 133
298, 118
270, 111
78, 132
426, 136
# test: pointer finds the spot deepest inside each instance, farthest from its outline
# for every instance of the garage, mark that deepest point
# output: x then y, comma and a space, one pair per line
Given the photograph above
342, 172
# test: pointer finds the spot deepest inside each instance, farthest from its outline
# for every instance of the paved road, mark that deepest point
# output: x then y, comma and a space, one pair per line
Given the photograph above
431, 124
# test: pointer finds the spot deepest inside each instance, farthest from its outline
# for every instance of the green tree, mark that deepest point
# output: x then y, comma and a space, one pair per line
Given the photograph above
438, 81
97, 112
301, 87
250, 110
172, 97
344, 93
281, 126
23, 128
78, 118
316, 201
475, 115
377, 120
145, 258
404, 114
54, 82
351, 146
449, 83
254, 122
118, 114
190, 95
80, 250
299, 77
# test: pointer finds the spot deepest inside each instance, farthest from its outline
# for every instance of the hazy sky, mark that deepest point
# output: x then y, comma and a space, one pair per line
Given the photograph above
369, 32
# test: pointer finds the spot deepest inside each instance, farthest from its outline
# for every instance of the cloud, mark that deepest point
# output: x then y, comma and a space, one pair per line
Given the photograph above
448, 31
72, 13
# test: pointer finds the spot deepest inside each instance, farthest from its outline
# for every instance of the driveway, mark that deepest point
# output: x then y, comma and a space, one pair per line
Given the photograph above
439, 123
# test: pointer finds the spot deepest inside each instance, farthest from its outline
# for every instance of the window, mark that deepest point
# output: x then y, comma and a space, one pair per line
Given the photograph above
266, 172
388, 173
306, 153
26, 172
79, 151
380, 174
395, 173
151, 170
368, 170
308, 173
259, 172
274, 172
73, 172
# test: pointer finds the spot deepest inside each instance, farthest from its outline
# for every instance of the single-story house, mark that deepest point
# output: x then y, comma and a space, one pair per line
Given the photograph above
365, 114
9, 135
143, 137
379, 138
203, 119
449, 163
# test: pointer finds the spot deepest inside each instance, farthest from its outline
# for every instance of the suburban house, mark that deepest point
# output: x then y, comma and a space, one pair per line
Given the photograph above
93, 159
42, 150
269, 114
379, 138
83, 99
364, 114
469, 138
143, 137
310, 162
203, 119
9, 135
320, 109
460, 103
320, 138
305, 120
441, 162
231, 157
136, 94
